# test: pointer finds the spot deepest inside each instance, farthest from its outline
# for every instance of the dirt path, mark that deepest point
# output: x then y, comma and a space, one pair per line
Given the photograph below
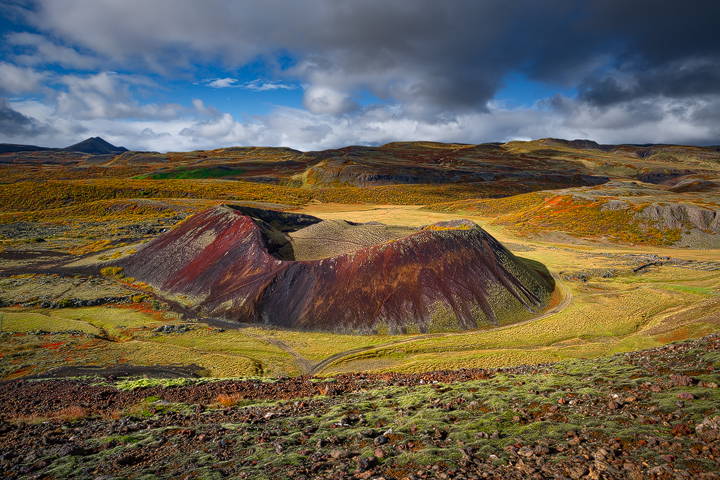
567, 300
304, 365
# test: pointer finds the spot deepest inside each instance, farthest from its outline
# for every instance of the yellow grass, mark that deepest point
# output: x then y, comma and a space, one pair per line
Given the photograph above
49, 321
233, 344
320, 345
216, 365
607, 315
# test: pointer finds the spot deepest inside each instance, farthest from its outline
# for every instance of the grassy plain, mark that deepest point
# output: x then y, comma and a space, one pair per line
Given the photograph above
622, 311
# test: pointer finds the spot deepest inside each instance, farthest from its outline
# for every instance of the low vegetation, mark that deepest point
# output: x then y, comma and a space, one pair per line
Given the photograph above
634, 415
193, 173
574, 396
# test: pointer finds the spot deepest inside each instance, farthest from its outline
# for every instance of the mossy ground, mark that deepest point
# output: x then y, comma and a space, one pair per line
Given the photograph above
621, 409
193, 173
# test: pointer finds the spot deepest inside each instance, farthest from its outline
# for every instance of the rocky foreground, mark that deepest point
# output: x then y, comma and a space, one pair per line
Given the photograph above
647, 414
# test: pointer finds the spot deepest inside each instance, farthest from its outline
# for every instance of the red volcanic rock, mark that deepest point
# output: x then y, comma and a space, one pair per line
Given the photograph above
239, 264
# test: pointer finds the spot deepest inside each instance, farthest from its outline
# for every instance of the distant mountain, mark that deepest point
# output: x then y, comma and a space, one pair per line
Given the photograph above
12, 148
95, 146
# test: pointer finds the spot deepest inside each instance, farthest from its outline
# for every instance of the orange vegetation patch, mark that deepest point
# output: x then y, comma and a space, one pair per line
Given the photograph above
541, 212
229, 400
21, 372
682, 333
70, 413
555, 299
145, 308
585, 218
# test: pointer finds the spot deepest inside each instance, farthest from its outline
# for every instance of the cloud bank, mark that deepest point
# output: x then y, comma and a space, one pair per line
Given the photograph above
366, 72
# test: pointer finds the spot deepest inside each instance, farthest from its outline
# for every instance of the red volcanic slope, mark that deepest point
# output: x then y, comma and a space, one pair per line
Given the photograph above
438, 279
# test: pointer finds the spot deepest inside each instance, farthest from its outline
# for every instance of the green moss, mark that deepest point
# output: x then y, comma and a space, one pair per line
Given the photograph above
382, 327
141, 383
193, 174
65, 303
63, 467
692, 289
443, 320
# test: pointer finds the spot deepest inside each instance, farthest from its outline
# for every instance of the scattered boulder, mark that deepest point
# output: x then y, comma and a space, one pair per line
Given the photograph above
367, 463
170, 328
681, 380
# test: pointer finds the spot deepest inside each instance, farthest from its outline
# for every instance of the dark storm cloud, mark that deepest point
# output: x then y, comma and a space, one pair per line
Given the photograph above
691, 78
643, 70
434, 56
14, 123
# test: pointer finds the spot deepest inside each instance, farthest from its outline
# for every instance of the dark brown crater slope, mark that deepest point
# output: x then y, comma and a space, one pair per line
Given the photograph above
296, 271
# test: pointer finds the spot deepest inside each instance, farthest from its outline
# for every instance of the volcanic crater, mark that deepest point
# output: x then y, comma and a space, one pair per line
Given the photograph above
288, 270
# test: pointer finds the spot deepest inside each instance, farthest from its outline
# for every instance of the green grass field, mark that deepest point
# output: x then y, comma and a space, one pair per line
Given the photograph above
193, 174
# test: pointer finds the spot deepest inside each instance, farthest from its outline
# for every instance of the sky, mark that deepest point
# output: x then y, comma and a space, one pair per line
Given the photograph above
168, 75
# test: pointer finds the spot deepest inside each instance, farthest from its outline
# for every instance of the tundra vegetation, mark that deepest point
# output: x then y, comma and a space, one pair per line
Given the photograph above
630, 234
594, 236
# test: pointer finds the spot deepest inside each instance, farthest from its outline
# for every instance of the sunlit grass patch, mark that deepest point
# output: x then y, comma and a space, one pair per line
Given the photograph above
231, 344
320, 345
193, 173
449, 360
140, 383
49, 321
111, 318
693, 289
593, 325
215, 365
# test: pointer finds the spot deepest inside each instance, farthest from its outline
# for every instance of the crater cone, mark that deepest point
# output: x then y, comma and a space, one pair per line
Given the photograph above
296, 271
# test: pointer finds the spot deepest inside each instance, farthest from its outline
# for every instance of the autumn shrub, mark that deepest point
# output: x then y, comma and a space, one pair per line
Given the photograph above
72, 413
228, 400
111, 271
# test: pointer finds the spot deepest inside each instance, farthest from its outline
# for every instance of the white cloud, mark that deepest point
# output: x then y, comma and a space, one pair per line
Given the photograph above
324, 100
108, 95
16, 80
48, 52
255, 85
265, 86
218, 128
304, 130
204, 110
222, 82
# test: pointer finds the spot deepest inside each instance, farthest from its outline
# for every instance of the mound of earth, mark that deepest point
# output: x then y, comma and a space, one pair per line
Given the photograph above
295, 271
695, 183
